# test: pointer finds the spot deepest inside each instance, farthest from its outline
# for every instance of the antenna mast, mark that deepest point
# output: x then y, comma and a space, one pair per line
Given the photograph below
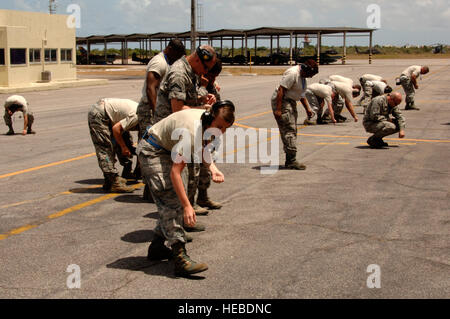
52, 6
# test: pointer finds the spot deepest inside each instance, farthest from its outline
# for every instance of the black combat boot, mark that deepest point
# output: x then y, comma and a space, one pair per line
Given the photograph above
382, 143
126, 173
157, 250
374, 142
11, 130
203, 200
291, 163
184, 265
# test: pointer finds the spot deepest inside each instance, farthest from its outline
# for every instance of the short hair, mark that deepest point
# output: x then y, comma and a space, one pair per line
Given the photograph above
227, 114
177, 46
426, 69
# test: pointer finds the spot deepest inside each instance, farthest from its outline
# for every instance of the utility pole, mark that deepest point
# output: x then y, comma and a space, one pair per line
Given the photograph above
52, 6
193, 25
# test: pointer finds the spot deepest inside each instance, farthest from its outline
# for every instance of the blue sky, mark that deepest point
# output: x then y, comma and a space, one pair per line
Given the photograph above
403, 22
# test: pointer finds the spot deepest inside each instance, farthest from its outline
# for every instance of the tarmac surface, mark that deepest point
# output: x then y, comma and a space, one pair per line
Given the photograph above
292, 234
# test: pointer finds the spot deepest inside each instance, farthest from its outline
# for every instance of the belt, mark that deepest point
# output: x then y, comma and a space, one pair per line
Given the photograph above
151, 140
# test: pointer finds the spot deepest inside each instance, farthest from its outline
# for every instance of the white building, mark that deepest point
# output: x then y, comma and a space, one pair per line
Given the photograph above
35, 47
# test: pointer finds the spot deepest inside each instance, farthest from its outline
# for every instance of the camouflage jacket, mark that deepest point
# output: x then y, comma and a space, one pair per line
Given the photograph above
379, 110
182, 84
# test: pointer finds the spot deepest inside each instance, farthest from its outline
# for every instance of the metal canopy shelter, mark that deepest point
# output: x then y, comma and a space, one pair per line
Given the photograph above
145, 40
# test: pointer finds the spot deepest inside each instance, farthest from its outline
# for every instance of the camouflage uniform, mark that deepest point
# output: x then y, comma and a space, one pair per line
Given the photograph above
287, 124
315, 102
338, 102
105, 146
8, 119
18, 100
408, 87
204, 178
181, 84
376, 118
160, 66
145, 117
156, 167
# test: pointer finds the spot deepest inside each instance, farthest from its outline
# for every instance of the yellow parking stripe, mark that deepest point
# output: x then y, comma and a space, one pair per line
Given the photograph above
47, 165
64, 212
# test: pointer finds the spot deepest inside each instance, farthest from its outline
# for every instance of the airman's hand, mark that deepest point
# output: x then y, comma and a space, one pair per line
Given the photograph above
189, 216
126, 152
218, 177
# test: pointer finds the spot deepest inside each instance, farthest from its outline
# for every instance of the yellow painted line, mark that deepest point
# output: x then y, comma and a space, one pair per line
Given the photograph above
346, 136
65, 212
365, 137
47, 165
44, 198
254, 115
21, 229
80, 206
88, 203
17, 231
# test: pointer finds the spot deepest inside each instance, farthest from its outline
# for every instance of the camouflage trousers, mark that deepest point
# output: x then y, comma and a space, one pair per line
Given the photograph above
367, 95
193, 180
8, 119
145, 117
155, 167
199, 178
338, 106
287, 125
382, 128
408, 87
105, 146
316, 105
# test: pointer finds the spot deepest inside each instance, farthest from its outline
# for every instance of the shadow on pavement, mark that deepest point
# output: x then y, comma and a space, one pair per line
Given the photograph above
268, 168
134, 199
155, 268
153, 215
88, 190
139, 236
367, 147
159, 268
96, 181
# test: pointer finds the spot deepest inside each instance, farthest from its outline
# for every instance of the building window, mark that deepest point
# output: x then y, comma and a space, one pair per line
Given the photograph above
18, 56
66, 55
2, 56
50, 55
35, 55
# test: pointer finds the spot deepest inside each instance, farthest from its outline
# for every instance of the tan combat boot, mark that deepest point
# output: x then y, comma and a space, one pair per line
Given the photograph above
119, 186
200, 211
184, 265
204, 201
